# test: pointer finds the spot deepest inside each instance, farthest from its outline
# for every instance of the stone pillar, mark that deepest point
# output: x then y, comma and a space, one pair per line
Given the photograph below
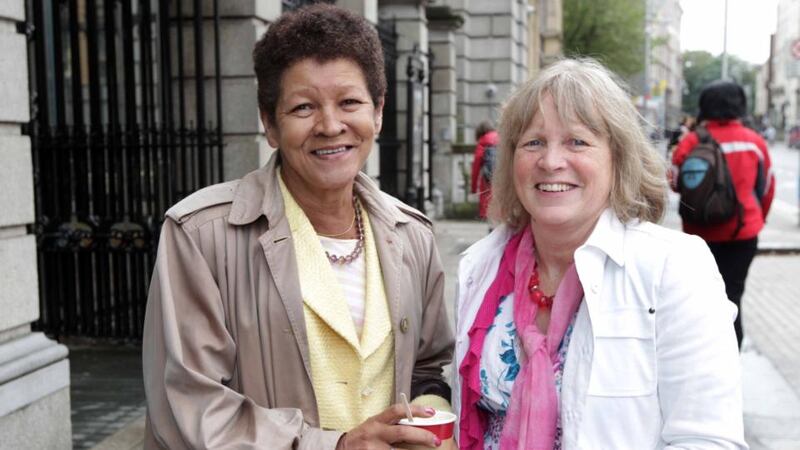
495, 57
34, 370
447, 169
412, 30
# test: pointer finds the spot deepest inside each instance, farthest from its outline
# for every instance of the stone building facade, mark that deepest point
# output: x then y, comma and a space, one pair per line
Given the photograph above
662, 81
34, 370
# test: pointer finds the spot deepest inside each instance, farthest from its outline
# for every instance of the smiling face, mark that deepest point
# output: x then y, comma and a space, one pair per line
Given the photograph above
325, 125
562, 172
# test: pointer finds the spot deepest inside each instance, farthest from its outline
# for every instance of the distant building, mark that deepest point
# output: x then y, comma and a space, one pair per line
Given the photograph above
784, 66
761, 95
660, 95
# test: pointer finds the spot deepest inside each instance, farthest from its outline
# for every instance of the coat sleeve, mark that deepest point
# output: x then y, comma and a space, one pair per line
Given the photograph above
477, 162
699, 373
435, 347
765, 188
189, 358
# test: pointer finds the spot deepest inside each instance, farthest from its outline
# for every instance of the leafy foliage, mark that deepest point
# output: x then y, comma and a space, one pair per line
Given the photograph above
701, 68
612, 31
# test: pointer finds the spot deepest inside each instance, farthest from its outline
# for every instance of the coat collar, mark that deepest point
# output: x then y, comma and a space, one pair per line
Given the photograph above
258, 194
608, 236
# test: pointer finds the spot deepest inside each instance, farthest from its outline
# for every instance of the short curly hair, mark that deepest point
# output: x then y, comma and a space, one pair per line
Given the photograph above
322, 32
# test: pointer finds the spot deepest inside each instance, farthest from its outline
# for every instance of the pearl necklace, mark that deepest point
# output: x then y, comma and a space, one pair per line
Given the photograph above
536, 294
347, 259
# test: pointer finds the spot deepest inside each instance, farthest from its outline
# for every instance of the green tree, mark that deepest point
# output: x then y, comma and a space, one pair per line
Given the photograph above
701, 68
611, 31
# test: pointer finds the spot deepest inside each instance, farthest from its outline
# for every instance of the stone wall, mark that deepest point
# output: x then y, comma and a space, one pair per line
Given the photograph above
34, 370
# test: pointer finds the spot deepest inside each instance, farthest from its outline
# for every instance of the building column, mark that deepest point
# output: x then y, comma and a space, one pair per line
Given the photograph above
34, 370
447, 171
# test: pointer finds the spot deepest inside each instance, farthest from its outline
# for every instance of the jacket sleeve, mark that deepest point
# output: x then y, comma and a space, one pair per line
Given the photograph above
477, 162
699, 373
765, 184
435, 348
189, 359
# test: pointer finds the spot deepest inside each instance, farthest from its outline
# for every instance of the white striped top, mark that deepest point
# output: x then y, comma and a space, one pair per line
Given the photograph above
352, 277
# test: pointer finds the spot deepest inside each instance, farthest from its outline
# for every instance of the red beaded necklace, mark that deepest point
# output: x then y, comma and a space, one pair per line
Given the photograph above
536, 294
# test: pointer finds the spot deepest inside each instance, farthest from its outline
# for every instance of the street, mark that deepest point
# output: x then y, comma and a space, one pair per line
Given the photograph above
785, 163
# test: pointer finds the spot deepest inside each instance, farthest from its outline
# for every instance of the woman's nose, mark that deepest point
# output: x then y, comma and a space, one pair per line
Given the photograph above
329, 123
552, 158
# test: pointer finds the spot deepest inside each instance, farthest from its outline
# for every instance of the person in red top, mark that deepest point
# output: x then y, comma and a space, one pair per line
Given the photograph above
722, 105
486, 136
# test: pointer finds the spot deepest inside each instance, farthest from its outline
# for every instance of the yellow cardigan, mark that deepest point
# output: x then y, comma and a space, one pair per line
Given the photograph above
353, 378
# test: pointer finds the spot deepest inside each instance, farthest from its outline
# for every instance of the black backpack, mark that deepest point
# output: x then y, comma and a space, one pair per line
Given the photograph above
489, 160
708, 195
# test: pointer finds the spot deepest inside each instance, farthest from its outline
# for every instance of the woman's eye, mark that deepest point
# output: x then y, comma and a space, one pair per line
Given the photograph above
533, 143
303, 108
351, 102
578, 142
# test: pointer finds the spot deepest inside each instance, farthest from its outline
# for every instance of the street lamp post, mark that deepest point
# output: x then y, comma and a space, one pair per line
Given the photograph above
725, 44
646, 75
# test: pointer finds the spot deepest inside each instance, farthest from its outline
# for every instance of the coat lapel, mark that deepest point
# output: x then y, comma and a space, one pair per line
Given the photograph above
276, 243
390, 252
377, 318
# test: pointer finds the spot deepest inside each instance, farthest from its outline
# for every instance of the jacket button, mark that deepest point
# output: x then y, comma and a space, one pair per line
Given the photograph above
595, 288
404, 324
469, 281
366, 392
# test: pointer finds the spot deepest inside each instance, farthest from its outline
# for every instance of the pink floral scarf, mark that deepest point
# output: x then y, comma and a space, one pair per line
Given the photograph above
532, 414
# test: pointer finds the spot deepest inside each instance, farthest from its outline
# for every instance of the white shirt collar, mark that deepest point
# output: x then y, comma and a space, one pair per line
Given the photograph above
608, 236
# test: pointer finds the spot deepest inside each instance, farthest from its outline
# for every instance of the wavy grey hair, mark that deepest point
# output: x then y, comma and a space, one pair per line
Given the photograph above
584, 91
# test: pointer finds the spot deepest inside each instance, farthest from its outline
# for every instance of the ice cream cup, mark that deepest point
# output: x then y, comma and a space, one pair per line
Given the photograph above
441, 424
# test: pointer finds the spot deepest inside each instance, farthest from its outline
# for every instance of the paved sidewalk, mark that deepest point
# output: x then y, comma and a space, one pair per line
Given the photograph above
106, 392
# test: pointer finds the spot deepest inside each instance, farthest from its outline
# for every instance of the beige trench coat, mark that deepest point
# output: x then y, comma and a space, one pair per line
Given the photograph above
225, 351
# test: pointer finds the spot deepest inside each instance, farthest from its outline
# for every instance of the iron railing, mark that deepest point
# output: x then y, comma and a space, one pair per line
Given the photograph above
114, 145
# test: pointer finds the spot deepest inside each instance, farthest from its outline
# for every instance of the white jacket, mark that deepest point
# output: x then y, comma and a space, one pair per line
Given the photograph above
653, 361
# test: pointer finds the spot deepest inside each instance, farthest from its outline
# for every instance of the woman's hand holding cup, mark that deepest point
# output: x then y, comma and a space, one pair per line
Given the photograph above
382, 431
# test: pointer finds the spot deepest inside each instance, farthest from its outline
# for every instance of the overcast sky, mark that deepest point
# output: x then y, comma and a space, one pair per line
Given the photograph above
702, 27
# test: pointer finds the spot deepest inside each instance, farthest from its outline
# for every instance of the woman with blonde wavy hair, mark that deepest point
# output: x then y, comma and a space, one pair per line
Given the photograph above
580, 322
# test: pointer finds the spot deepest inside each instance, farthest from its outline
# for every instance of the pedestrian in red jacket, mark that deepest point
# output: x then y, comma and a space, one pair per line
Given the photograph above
486, 136
722, 105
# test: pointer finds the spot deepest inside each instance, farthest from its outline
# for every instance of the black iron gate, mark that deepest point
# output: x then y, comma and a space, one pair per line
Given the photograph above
119, 132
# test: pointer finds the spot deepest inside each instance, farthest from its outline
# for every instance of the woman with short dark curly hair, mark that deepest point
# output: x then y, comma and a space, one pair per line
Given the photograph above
292, 308
308, 34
